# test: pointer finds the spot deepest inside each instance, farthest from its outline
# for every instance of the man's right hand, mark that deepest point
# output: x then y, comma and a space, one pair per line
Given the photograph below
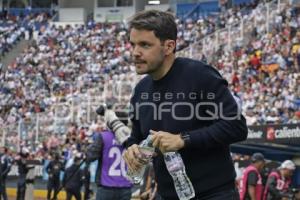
133, 158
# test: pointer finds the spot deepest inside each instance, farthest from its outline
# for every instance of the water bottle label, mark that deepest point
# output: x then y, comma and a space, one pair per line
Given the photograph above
182, 183
183, 186
146, 153
173, 162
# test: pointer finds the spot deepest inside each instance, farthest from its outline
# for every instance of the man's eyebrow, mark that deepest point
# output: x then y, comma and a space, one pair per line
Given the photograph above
140, 42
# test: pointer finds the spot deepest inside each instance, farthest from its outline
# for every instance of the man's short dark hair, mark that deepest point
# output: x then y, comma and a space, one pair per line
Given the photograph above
161, 23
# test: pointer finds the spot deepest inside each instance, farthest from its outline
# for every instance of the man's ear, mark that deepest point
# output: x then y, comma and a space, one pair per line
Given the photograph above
169, 46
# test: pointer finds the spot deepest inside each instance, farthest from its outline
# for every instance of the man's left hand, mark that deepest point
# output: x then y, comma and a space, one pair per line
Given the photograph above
166, 141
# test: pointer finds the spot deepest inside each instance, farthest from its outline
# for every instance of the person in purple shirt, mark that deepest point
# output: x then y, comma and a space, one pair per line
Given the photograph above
111, 170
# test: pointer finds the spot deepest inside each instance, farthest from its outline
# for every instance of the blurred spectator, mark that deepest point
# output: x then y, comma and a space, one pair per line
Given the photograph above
279, 181
251, 187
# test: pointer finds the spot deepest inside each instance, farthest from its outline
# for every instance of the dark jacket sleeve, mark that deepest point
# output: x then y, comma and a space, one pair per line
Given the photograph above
49, 167
94, 150
227, 123
7, 167
66, 176
135, 136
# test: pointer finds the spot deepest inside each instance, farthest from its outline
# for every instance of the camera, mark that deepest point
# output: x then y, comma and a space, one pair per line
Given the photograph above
291, 193
295, 190
114, 123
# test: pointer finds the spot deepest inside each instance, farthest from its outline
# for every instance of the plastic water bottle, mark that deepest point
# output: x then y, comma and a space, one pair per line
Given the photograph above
147, 151
176, 168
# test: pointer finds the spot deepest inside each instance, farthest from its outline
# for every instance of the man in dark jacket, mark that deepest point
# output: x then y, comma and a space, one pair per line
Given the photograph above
73, 179
53, 169
5, 166
23, 168
187, 106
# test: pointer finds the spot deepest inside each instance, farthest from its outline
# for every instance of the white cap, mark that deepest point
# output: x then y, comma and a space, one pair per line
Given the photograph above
25, 150
288, 164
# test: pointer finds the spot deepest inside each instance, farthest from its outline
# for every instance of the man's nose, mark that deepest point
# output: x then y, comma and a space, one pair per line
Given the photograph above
136, 51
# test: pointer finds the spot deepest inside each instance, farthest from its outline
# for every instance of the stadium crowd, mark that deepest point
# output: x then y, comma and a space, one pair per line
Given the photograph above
74, 63
10, 35
13, 29
71, 60
265, 73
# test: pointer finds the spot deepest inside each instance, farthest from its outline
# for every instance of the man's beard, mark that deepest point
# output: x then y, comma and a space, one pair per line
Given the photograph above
154, 66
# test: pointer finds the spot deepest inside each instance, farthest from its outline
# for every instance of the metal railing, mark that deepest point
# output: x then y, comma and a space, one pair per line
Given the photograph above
77, 108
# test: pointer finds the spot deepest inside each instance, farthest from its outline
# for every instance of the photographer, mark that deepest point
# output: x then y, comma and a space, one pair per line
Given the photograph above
73, 179
88, 192
53, 169
23, 169
31, 163
5, 166
279, 182
107, 149
251, 187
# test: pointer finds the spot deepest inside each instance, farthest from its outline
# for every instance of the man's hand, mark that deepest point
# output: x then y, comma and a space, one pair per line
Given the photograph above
166, 141
133, 158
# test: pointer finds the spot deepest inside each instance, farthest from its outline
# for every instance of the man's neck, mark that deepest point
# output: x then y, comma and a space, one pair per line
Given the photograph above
164, 69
